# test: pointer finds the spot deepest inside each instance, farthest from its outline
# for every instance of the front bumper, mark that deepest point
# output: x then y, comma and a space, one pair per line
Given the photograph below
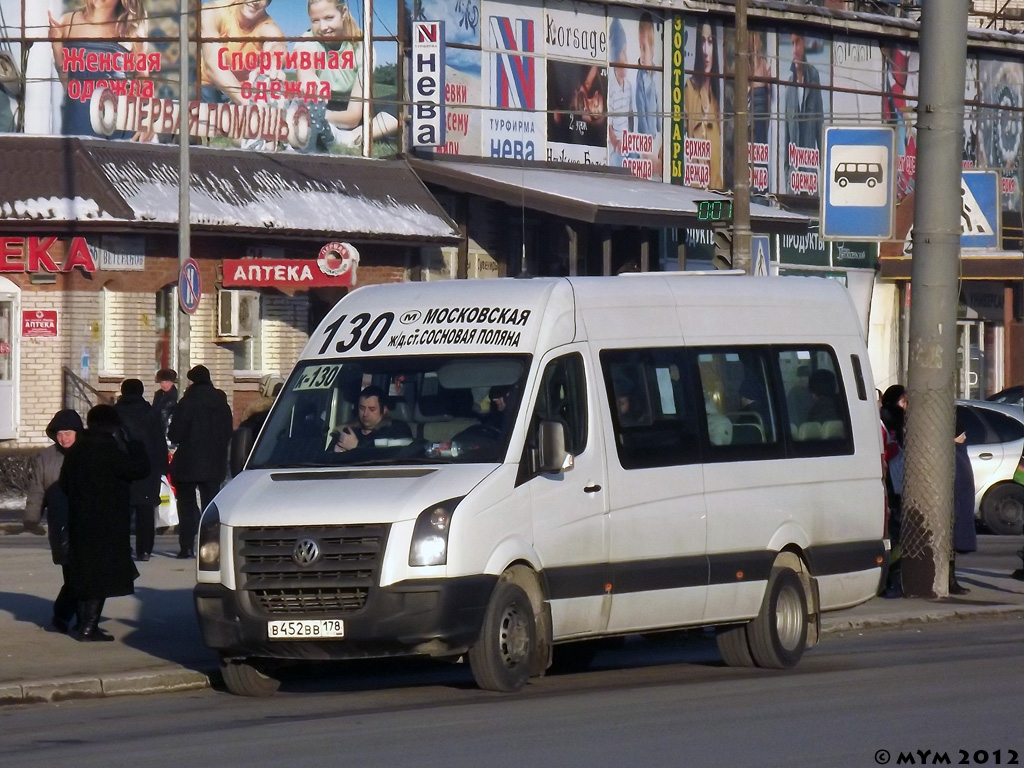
437, 617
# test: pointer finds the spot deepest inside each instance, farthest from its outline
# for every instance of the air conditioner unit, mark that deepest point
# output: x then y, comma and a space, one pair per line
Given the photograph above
238, 314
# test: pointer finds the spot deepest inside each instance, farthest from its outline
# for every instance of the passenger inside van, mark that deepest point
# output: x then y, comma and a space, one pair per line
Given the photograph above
822, 386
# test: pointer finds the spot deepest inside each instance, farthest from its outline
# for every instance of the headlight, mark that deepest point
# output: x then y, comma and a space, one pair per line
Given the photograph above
430, 536
209, 539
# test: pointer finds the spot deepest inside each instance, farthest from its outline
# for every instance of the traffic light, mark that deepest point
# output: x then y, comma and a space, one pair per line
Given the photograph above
722, 237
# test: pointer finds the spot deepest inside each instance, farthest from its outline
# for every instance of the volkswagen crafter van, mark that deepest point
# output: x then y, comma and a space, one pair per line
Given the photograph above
560, 459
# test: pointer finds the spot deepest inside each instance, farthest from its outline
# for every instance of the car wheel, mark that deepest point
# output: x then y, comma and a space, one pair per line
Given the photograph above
1002, 509
247, 677
778, 634
502, 658
843, 182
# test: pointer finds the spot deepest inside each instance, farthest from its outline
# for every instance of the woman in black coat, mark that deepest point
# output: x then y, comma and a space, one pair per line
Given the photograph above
965, 536
96, 477
143, 424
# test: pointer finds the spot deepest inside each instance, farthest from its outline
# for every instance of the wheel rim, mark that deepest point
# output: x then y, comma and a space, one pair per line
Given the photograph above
1010, 511
513, 639
789, 618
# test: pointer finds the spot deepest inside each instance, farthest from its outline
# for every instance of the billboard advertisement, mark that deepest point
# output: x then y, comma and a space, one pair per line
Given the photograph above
291, 74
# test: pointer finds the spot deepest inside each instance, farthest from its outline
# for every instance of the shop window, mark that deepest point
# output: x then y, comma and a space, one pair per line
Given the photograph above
248, 352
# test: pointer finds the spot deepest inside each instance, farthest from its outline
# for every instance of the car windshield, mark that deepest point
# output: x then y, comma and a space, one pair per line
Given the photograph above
396, 410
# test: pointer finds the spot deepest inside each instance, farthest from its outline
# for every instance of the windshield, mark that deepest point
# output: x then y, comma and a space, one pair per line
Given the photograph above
401, 410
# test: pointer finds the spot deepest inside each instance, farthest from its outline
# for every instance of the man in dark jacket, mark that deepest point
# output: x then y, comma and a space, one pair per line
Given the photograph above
167, 396
143, 424
96, 477
46, 497
201, 428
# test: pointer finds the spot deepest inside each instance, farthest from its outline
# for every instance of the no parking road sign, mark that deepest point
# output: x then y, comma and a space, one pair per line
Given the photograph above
857, 202
190, 287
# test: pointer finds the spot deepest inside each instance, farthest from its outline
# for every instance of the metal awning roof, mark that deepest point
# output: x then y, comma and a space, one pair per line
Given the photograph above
113, 185
594, 197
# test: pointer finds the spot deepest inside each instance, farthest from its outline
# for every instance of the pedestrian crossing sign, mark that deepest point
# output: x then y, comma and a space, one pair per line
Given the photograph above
981, 208
760, 252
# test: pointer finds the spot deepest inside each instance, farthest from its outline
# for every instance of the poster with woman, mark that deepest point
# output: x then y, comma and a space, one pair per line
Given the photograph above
899, 106
806, 67
762, 101
971, 90
11, 82
702, 105
635, 114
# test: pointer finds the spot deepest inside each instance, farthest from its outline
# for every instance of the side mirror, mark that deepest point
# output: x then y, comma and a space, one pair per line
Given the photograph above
242, 440
552, 454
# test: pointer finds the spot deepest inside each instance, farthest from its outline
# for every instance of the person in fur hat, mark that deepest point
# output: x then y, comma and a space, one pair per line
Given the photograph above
45, 497
97, 476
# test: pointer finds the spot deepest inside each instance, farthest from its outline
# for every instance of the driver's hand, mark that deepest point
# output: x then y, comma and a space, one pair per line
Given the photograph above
346, 440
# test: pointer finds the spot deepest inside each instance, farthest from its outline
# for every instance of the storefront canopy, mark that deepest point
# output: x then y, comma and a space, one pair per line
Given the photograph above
127, 186
594, 197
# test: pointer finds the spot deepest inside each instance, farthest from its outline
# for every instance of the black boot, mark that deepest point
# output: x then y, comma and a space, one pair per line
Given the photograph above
955, 587
88, 622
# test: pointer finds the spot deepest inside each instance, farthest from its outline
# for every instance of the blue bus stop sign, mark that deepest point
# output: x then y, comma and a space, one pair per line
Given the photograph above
857, 201
190, 287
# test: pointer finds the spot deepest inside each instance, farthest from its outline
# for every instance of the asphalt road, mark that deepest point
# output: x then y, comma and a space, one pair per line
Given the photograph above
666, 702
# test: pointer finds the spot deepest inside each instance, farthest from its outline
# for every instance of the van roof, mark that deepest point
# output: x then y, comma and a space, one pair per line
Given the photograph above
524, 315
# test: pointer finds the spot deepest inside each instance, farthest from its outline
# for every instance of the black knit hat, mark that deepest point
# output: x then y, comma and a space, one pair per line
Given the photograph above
103, 418
199, 375
166, 374
133, 387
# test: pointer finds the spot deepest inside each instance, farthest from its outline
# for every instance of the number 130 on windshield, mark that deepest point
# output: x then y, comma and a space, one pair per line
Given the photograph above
363, 329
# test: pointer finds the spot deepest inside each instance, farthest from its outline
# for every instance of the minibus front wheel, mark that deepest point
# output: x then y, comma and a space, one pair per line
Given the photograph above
246, 677
778, 634
502, 658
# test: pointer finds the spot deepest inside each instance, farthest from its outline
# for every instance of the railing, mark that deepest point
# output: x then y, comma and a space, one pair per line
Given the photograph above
78, 394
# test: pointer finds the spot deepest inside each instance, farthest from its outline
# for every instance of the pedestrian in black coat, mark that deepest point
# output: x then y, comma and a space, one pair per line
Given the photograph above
965, 536
201, 428
166, 398
143, 424
96, 477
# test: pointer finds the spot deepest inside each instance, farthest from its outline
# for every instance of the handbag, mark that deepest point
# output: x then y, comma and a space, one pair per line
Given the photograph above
167, 512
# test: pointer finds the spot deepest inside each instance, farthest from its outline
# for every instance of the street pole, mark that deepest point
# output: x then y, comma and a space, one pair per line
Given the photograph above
368, 78
740, 131
928, 475
184, 174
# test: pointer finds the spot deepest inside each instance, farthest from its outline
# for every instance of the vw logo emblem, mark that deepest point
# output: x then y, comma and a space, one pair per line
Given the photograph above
306, 552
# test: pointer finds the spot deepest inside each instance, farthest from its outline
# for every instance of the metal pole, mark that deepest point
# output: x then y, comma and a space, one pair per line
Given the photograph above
741, 166
368, 78
184, 173
928, 475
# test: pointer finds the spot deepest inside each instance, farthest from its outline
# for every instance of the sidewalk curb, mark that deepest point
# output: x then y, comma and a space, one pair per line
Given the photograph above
166, 680
940, 613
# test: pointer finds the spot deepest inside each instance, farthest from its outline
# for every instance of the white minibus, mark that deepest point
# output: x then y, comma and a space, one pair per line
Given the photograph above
489, 469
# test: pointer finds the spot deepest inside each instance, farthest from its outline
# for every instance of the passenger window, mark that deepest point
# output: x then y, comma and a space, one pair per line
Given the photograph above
737, 398
563, 397
1007, 429
652, 408
815, 400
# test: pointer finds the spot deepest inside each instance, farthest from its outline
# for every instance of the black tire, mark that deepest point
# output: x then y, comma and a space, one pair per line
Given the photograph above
1002, 509
501, 660
734, 646
248, 678
778, 634
843, 182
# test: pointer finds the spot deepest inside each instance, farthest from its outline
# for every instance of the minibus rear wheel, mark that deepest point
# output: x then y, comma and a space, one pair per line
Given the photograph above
502, 658
734, 646
246, 677
778, 634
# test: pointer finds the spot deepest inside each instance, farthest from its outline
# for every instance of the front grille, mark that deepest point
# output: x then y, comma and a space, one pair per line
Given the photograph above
338, 582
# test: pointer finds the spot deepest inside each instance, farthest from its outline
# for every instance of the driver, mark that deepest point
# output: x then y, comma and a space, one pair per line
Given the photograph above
373, 423
499, 396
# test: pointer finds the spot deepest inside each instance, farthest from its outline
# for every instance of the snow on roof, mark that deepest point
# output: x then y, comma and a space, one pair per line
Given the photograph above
74, 209
267, 199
